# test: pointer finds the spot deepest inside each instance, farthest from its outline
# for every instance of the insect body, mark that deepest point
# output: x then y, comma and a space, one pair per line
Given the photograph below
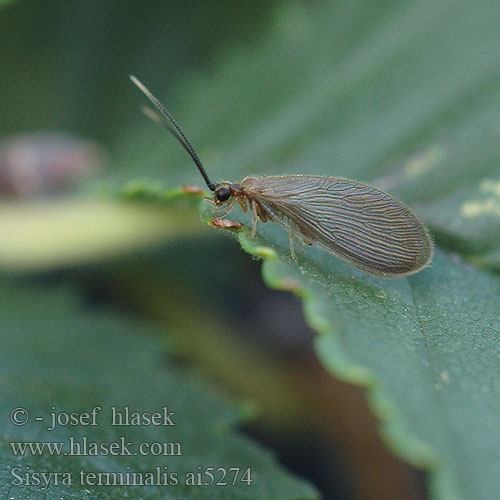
357, 222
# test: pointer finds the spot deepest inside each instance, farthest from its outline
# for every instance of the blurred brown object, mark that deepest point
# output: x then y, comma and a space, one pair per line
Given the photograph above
38, 164
193, 189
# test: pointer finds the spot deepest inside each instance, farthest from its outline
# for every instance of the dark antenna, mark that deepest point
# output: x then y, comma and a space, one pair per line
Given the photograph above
171, 125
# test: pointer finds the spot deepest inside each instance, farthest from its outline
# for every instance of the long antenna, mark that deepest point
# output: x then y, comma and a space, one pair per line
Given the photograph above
176, 131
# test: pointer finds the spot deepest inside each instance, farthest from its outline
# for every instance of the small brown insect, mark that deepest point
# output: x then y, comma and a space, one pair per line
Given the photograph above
357, 222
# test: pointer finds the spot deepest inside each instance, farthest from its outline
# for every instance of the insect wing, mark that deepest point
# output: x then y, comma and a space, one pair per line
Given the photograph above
356, 222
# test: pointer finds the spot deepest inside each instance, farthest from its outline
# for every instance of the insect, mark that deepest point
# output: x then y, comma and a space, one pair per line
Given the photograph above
354, 221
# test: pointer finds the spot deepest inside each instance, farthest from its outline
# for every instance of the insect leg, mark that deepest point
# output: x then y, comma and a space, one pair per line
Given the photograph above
261, 212
255, 218
292, 252
305, 242
243, 204
229, 207
301, 241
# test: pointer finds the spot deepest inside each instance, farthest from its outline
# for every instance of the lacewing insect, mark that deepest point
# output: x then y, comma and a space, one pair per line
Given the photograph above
356, 222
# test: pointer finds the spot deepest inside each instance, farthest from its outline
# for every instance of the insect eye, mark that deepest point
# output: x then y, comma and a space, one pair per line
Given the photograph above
223, 194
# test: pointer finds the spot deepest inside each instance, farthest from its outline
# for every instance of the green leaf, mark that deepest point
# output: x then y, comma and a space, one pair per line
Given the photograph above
476, 231
427, 348
405, 95
59, 357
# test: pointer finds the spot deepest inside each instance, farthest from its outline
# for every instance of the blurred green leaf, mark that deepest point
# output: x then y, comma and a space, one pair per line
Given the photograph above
55, 353
50, 234
469, 220
65, 64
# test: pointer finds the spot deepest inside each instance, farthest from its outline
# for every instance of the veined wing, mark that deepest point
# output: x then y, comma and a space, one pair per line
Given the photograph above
356, 222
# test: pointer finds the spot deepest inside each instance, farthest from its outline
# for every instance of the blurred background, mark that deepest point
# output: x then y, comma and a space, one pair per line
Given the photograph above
333, 88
